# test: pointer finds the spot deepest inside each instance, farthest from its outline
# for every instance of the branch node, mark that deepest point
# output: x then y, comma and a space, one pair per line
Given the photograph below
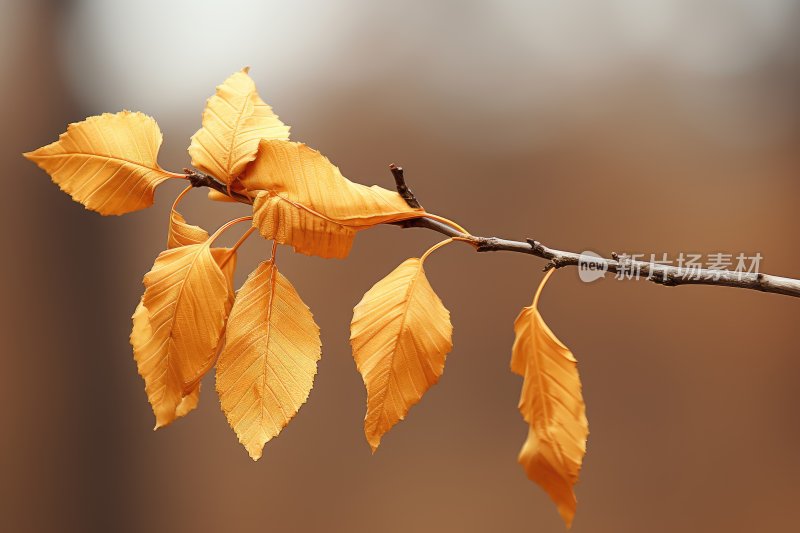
197, 179
536, 247
487, 244
556, 263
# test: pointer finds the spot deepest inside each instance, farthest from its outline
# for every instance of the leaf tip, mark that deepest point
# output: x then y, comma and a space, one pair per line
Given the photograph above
374, 441
255, 452
567, 513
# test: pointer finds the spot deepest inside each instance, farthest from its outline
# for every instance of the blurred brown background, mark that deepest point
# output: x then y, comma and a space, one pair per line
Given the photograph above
616, 125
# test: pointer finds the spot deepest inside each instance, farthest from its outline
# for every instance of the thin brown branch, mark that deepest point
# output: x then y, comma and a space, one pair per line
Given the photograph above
628, 269
669, 276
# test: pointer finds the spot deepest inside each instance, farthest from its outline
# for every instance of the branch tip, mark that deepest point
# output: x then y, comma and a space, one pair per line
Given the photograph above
402, 188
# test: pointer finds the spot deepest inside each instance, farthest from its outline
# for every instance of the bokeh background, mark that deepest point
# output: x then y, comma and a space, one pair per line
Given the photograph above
625, 125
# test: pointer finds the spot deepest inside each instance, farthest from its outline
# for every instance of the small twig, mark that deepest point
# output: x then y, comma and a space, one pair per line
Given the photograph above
628, 269
402, 188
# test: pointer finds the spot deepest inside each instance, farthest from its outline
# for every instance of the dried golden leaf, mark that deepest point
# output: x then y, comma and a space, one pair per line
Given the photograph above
401, 334
552, 404
141, 332
181, 233
267, 368
178, 324
234, 121
303, 200
107, 162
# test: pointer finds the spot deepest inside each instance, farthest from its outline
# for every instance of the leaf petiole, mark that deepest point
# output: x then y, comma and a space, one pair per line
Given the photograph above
433, 249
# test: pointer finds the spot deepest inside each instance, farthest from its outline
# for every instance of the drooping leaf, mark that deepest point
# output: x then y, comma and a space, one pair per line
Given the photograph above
552, 404
179, 322
106, 162
304, 201
234, 121
400, 334
267, 367
181, 233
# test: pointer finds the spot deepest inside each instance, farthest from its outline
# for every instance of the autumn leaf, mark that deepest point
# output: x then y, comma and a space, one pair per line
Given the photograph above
267, 368
106, 162
234, 121
400, 334
178, 324
304, 201
180, 232
552, 404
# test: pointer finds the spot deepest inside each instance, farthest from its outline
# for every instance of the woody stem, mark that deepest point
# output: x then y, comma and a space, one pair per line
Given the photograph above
657, 273
666, 275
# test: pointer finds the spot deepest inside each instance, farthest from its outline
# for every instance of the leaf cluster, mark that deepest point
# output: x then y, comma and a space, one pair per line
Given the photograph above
262, 339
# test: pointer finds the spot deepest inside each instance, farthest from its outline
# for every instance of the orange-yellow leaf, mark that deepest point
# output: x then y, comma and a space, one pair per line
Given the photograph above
401, 334
107, 162
304, 201
267, 367
234, 121
178, 324
181, 233
189, 402
552, 404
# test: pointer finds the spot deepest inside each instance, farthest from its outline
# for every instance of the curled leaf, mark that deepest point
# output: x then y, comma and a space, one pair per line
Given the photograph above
552, 404
181, 233
106, 162
304, 201
234, 121
400, 334
267, 368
